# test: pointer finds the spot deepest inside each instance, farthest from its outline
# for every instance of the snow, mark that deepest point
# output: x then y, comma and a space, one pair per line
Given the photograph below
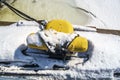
105, 52
10, 40
106, 46
106, 10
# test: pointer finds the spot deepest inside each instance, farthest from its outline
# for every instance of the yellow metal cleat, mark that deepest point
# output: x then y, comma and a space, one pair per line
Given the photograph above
60, 26
78, 44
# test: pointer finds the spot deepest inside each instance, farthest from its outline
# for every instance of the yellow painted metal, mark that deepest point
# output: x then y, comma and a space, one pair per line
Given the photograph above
79, 44
60, 26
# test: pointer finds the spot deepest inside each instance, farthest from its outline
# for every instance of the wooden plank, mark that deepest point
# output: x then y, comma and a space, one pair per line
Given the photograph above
5, 23
108, 31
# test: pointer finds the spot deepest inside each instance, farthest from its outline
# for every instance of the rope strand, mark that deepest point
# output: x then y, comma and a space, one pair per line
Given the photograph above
19, 13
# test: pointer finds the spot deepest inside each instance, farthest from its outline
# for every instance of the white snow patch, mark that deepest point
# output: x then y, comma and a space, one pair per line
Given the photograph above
11, 37
105, 54
106, 10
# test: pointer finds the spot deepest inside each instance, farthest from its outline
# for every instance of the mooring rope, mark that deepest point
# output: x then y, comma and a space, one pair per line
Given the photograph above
18, 12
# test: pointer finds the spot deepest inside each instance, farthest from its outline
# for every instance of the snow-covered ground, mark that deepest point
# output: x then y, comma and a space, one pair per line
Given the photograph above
105, 52
105, 59
106, 10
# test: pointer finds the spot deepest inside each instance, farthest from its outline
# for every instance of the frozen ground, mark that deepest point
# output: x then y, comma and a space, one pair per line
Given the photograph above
104, 63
